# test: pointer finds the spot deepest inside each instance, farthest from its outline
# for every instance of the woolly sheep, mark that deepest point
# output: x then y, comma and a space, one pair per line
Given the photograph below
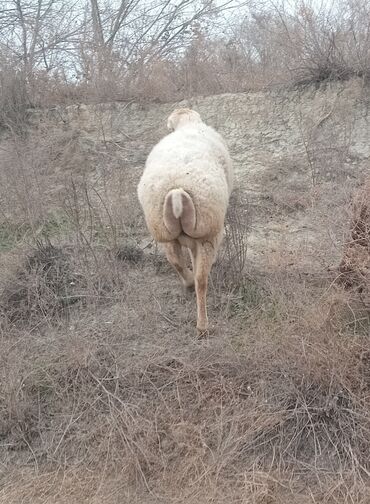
184, 192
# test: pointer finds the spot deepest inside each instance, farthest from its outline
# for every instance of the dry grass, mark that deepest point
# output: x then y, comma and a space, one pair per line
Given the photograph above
282, 405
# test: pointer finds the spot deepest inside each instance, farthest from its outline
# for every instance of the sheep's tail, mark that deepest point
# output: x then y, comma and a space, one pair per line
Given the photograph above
179, 212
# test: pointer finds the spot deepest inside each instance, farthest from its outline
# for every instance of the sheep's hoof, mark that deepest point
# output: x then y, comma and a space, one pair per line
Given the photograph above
204, 333
189, 285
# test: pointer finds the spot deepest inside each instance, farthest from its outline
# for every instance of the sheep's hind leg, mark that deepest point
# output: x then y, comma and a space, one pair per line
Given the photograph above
176, 258
203, 257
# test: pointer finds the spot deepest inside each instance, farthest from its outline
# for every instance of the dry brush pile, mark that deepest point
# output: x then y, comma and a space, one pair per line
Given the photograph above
355, 263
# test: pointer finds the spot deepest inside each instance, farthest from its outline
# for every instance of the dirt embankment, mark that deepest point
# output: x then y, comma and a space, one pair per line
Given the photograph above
292, 149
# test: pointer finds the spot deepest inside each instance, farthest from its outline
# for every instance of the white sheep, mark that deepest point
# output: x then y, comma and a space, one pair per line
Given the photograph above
184, 192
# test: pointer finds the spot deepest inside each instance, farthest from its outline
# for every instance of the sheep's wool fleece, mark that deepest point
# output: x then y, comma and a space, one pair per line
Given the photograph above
194, 158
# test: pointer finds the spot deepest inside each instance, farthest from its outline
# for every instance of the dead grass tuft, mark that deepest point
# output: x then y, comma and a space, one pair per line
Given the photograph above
229, 269
130, 253
355, 264
42, 288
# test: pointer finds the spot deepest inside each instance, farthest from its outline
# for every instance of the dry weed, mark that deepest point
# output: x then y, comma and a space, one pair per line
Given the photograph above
355, 264
230, 265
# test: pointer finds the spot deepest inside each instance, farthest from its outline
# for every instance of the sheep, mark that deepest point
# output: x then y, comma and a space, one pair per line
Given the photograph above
184, 193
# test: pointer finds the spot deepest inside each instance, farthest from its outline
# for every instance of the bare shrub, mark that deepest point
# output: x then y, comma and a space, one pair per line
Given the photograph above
230, 265
311, 43
14, 99
158, 81
104, 52
42, 288
34, 168
53, 280
355, 264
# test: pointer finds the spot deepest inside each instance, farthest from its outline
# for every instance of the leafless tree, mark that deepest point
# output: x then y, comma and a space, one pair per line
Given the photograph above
39, 34
55, 34
134, 32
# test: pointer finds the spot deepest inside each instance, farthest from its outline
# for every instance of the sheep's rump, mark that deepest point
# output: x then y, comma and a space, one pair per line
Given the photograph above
186, 184
179, 215
197, 211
